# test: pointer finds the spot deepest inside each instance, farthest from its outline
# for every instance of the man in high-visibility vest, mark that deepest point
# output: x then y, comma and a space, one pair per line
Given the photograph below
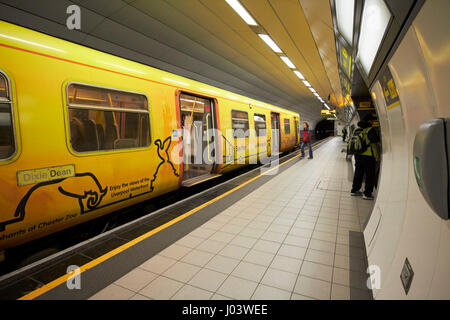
344, 134
365, 162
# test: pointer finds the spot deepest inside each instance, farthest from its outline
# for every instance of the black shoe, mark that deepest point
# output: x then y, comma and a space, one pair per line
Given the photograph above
310, 157
368, 197
356, 193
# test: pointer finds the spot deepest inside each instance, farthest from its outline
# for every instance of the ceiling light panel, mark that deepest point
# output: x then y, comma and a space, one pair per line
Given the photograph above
299, 74
375, 19
345, 10
288, 62
240, 10
306, 83
268, 40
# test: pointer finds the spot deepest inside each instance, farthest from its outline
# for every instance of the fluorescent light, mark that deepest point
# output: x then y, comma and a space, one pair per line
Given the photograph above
288, 62
375, 19
299, 74
240, 10
306, 83
268, 40
345, 10
312, 89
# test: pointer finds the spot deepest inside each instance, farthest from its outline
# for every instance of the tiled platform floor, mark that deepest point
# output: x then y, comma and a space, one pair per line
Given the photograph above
296, 237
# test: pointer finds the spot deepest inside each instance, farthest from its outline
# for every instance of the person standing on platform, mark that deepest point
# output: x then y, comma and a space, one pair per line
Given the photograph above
365, 160
306, 140
344, 134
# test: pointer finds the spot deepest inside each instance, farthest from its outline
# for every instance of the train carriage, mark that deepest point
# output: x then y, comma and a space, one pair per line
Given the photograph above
84, 133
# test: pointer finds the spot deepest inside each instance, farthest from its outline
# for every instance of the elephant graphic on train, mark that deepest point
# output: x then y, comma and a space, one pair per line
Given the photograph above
82, 191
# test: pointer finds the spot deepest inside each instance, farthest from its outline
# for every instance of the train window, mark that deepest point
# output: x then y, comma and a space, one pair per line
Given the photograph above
260, 124
287, 126
105, 119
7, 138
3, 87
193, 109
239, 123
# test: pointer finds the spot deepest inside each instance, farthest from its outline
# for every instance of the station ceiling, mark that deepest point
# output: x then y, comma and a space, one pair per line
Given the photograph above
206, 40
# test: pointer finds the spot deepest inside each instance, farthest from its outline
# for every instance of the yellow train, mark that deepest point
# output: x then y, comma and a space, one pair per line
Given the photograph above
84, 133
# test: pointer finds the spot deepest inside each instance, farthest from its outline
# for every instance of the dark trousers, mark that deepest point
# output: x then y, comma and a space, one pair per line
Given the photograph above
308, 143
364, 166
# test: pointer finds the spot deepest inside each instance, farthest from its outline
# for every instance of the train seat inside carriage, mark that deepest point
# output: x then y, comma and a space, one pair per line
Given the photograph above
100, 136
83, 132
6, 135
87, 135
7, 146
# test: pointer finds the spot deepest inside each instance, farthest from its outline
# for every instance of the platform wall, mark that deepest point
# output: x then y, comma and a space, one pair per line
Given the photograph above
402, 224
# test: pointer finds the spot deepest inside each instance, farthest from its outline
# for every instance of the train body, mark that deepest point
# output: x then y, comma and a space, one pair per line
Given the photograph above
84, 133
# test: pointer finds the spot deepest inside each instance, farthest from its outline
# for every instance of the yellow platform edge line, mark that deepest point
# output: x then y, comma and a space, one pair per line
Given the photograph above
53, 284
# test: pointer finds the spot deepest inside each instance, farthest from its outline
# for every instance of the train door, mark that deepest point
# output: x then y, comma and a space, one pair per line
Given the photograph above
276, 135
297, 131
198, 120
261, 136
240, 127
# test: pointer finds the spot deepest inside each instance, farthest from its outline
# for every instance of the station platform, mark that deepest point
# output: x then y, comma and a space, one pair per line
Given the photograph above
294, 232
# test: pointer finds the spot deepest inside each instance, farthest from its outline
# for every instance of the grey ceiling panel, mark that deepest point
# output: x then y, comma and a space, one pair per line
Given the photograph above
118, 34
103, 7
50, 8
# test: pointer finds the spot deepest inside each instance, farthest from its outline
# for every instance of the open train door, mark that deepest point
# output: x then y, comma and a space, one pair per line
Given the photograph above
200, 145
276, 135
297, 131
